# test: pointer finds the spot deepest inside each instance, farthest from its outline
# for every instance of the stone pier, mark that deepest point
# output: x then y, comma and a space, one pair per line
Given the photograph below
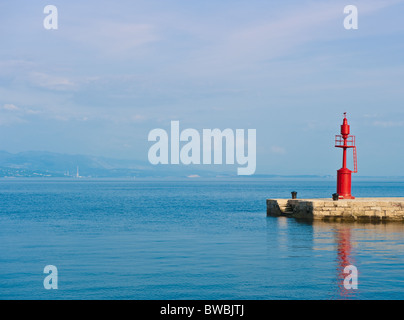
359, 209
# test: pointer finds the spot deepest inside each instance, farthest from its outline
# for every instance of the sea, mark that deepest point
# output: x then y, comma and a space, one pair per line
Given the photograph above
191, 239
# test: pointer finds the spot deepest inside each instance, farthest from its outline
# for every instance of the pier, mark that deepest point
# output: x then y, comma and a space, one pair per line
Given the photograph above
359, 209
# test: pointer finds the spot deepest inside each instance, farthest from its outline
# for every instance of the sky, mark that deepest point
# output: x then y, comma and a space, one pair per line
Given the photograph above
115, 70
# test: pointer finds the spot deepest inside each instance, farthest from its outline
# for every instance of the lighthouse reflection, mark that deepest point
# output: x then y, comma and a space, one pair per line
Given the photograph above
344, 258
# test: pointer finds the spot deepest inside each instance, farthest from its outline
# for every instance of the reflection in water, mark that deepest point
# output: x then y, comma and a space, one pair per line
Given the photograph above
322, 250
345, 258
282, 233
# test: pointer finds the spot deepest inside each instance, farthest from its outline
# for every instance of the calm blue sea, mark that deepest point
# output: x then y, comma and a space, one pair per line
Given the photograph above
126, 239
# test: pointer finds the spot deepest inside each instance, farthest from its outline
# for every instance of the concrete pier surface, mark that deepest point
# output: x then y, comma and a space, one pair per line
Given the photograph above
359, 209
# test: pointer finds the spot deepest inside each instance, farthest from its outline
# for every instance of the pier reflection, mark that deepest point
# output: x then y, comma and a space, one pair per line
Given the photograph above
347, 242
323, 249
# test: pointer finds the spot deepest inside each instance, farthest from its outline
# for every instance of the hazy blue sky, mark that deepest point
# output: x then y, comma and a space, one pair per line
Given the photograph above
114, 70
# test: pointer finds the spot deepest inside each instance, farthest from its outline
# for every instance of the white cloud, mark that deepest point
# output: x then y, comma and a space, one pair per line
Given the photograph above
281, 34
52, 82
278, 150
112, 38
9, 67
10, 120
138, 118
10, 114
388, 124
10, 107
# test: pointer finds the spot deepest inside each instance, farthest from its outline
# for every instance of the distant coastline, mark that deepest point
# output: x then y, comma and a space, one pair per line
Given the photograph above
46, 165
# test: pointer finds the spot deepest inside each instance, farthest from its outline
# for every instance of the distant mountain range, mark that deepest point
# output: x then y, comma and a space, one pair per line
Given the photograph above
49, 164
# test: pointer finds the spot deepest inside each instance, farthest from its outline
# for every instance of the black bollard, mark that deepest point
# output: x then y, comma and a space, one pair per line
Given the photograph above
335, 196
294, 194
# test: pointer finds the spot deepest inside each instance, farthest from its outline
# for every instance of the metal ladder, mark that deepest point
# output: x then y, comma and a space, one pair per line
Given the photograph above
355, 160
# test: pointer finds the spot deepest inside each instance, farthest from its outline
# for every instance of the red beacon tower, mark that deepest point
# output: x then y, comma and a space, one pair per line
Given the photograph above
345, 141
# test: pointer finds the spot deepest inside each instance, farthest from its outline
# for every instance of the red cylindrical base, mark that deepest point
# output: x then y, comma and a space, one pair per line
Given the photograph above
344, 183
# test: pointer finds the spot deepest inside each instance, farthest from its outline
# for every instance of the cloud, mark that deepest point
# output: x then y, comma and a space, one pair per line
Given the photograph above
259, 41
22, 72
278, 150
9, 67
112, 38
10, 114
10, 107
51, 82
371, 115
7, 120
138, 118
388, 124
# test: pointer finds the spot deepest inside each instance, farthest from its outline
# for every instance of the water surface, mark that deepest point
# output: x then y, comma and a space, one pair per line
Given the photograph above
126, 239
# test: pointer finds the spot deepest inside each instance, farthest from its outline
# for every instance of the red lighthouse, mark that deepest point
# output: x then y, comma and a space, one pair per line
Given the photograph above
345, 141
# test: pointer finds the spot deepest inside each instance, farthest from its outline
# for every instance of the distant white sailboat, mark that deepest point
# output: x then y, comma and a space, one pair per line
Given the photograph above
77, 174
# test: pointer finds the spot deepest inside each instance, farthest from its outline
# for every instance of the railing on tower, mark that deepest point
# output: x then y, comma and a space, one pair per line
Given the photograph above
339, 141
350, 143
